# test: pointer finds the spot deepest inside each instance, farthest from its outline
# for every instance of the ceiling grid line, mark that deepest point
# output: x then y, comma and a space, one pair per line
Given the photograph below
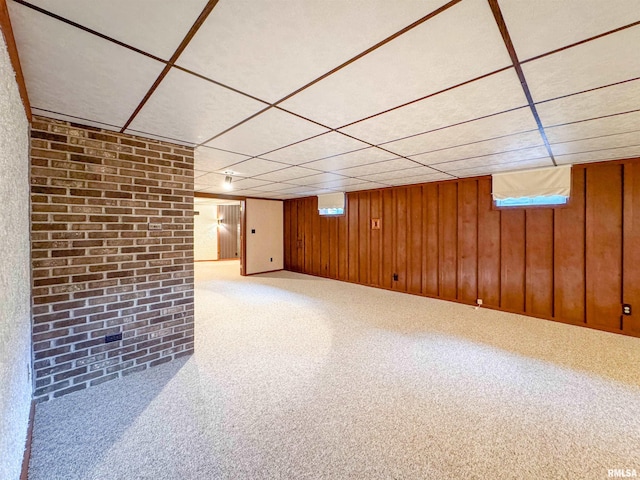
185, 41
502, 26
278, 147
88, 30
586, 40
418, 22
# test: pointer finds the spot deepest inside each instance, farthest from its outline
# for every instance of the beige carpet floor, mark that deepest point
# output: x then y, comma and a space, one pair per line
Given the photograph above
301, 377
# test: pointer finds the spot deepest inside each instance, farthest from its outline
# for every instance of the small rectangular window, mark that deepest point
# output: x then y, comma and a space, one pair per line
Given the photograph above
550, 186
532, 201
331, 204
331, 211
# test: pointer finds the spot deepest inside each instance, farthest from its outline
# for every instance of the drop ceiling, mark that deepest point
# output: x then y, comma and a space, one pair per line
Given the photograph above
298, 98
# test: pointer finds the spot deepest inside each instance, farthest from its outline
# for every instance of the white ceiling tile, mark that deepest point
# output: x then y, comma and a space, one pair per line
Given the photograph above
597, 143
73, 72
199, 173
412, 180
413, 65
358, 158
379, 167
213, 160
217, 189
211, 180
262, 194
255, 166
247, 193
158, 137
585, 66
270, 49
496, 93
247, 183
165, 23
325, 145
317, 179
274, 186
599, 155
512, 122
585, 106
343, 183
72, 119
285, 196
268, 131
503, 167
287, 174
545, 25
364, 186
486, 147
305, 190
593, 128
386, 177
191, 109
486, 160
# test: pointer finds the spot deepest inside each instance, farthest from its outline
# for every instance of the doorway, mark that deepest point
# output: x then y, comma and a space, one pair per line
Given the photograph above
229, 232
216, 229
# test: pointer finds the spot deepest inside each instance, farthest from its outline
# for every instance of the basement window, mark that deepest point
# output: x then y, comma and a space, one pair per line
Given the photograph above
331, 204
532, 188
532, 201
331, 211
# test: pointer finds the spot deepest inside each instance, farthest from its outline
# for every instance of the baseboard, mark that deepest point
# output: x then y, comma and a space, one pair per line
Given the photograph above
27, 449
258, 273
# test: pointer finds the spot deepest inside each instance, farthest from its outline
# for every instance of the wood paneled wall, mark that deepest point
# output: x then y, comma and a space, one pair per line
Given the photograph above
576, 264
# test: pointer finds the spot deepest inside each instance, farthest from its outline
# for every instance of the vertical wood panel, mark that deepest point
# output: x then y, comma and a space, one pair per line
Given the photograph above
308, 235
375, 240
448, 239
301, 232
316, 263
539, 267
324, 246
431, 273
468, 241
287, 235
604, 245
352, 213
363, 237
402, 223
414, 254
334, 246
294, 236
343, 247
631, 277
488, 246
568, 249
387, 226
512, 281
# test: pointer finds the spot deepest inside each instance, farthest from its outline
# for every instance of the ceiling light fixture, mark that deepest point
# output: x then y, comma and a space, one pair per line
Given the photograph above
227, 182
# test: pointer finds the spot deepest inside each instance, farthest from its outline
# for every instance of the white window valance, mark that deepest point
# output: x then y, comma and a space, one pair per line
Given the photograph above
541, 182
331, 200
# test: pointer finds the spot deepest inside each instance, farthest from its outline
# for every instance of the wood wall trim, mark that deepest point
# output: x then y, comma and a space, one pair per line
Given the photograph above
24, 474
502, 26
7, 32
174, 58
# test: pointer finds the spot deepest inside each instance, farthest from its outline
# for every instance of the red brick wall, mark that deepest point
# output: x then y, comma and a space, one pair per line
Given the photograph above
97, 268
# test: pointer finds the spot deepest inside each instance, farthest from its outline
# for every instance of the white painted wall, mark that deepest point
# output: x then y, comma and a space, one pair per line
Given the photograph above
15, 292
205, 233
265, 247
